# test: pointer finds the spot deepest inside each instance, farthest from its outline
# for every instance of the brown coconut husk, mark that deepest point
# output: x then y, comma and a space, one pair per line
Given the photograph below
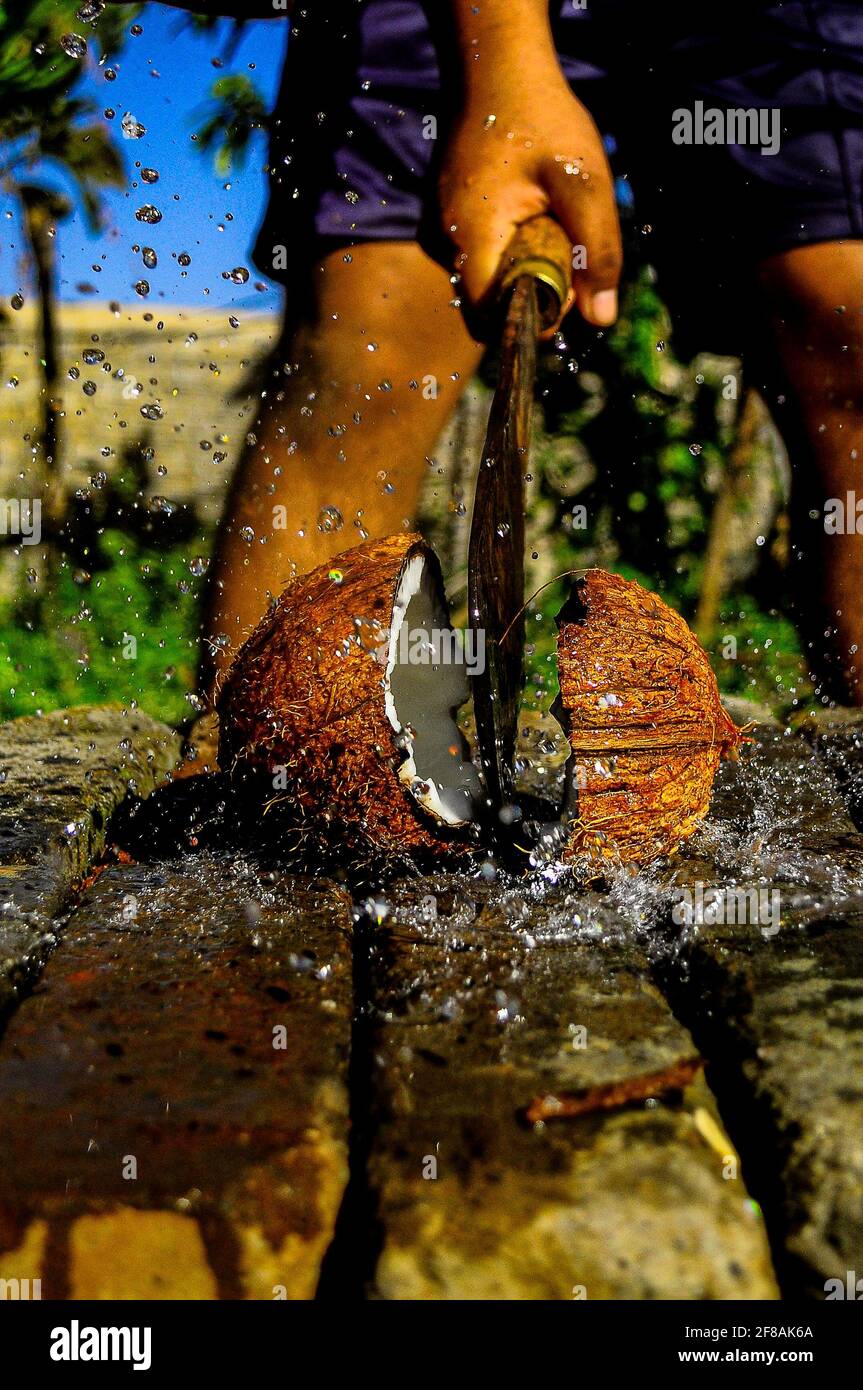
641, 708
306, 693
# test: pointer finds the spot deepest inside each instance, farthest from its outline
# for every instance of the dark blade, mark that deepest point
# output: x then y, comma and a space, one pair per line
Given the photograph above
496, 553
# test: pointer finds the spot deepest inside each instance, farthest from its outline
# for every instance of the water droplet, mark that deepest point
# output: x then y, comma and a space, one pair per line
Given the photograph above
132, 128
330, 519
149, 257
17, 301
74, 45
148, 213
247, 534
150, 175
142, 287
153, 411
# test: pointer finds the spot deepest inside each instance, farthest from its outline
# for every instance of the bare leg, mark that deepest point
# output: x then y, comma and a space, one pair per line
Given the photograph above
374, 371
815, 298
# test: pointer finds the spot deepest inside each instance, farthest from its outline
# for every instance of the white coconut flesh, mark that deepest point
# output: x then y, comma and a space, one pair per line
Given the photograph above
425, 683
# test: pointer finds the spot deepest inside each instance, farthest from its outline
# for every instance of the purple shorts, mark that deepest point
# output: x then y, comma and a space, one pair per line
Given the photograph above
350, 160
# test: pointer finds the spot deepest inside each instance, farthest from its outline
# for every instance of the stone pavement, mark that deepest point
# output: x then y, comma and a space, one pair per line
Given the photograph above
221, 1077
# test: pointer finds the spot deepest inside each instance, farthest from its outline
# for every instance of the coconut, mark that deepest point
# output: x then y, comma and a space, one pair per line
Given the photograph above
640, 706
345, 694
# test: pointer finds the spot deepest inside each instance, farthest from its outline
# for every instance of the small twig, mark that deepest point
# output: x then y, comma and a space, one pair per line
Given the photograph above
565, 574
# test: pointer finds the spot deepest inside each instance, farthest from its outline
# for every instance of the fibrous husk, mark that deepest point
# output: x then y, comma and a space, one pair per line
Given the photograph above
646, 729
306, 703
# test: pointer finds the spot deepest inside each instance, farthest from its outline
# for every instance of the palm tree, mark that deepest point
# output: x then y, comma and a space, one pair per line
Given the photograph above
45, 131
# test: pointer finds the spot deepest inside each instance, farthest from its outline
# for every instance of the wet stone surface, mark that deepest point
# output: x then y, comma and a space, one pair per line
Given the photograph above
505, 1010
775, 1000
837, 736
61, 778
487, 1089
174, 1093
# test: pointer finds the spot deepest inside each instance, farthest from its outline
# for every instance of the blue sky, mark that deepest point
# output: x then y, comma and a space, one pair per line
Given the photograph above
214, 225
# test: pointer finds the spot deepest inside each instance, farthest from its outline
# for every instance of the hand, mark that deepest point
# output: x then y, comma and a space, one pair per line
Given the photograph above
532, 151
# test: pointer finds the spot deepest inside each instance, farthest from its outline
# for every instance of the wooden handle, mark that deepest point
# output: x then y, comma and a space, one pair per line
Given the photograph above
541, 248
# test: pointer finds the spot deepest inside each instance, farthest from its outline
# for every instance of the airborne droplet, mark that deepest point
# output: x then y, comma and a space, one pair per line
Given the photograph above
132, 129
330, 519
74, 45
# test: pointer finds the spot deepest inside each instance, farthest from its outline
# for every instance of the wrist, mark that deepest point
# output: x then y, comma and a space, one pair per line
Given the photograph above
499, 41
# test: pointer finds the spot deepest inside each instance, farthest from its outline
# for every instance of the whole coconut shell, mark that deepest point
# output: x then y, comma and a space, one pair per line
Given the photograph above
305, 697
641, 708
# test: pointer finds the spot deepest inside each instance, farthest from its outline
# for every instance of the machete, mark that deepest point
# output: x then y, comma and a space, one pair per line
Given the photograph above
531, 291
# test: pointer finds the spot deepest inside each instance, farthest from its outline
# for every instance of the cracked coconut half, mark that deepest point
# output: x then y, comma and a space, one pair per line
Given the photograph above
640, 707
346, 693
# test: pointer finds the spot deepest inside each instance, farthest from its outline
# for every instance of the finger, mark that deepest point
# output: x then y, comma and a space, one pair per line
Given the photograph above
584, 203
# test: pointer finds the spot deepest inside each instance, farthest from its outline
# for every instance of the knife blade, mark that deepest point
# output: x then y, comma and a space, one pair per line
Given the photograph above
532, 289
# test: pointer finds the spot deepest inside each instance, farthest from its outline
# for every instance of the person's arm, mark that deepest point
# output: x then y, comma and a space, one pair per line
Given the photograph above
523, 145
